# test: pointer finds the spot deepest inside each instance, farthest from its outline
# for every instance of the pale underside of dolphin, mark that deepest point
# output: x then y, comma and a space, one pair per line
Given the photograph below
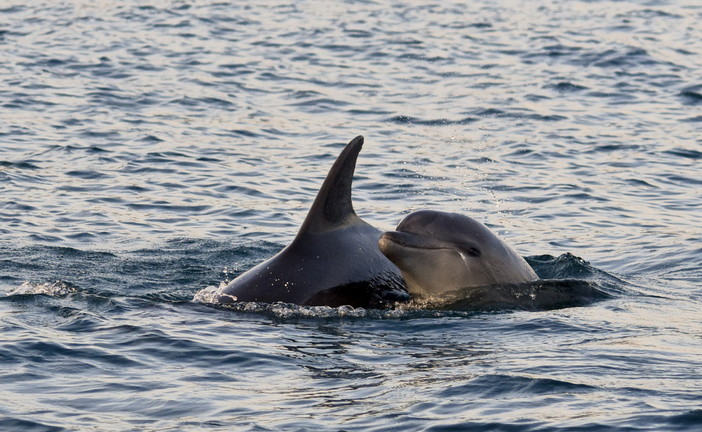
334, 260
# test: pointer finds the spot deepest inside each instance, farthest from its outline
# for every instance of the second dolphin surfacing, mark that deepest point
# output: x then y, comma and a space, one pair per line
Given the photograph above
334, 260
439, 252
453, 262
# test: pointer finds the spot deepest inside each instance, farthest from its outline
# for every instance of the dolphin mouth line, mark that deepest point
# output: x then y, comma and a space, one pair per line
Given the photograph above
410, 240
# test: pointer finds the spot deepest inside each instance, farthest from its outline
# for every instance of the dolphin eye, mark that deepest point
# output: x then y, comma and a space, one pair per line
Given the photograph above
471, 250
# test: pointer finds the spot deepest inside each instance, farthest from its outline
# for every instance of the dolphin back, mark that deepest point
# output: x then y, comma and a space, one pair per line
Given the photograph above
334, 260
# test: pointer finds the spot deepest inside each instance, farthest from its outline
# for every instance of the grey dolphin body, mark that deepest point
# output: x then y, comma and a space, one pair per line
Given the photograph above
439, 252
334, 260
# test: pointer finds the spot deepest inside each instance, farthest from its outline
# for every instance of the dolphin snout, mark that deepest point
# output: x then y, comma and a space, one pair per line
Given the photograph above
408, 240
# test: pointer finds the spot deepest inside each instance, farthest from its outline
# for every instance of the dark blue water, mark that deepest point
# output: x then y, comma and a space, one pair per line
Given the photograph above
149, 150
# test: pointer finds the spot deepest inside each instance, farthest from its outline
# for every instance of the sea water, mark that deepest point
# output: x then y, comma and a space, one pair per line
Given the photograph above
152, 149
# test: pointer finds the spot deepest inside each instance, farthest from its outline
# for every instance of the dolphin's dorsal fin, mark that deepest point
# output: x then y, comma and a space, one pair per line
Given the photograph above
333, 207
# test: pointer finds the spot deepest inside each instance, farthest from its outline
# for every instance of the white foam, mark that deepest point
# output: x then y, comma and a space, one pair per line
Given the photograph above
53, 289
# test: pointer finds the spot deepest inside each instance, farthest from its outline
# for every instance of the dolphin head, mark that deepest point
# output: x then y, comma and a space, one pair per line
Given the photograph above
439, 252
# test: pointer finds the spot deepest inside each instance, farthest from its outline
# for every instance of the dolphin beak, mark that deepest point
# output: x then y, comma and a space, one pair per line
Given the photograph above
409, 240
401, 239
393, 244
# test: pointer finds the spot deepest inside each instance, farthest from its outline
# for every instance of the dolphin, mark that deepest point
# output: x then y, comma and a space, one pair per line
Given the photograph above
334, 260
438, 252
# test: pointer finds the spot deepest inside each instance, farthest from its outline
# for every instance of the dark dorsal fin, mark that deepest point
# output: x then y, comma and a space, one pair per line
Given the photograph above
333, 206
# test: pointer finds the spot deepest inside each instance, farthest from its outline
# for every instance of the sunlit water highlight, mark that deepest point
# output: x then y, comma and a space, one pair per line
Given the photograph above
149, 150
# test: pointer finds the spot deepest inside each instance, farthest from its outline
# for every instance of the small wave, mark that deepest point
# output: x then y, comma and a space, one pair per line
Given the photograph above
403, 119
498, 385
18, 165
685, 153
533, 296
566, 87
85, 174
561, 267
692, 419
52, 289
692, 95
325, 102
279, 310
18, 423
212, 294
695, 119
289, 311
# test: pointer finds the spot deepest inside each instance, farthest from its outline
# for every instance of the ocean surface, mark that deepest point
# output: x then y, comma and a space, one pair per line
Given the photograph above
152, 149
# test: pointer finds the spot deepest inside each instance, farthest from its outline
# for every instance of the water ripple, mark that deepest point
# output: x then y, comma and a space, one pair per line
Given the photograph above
151, 150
